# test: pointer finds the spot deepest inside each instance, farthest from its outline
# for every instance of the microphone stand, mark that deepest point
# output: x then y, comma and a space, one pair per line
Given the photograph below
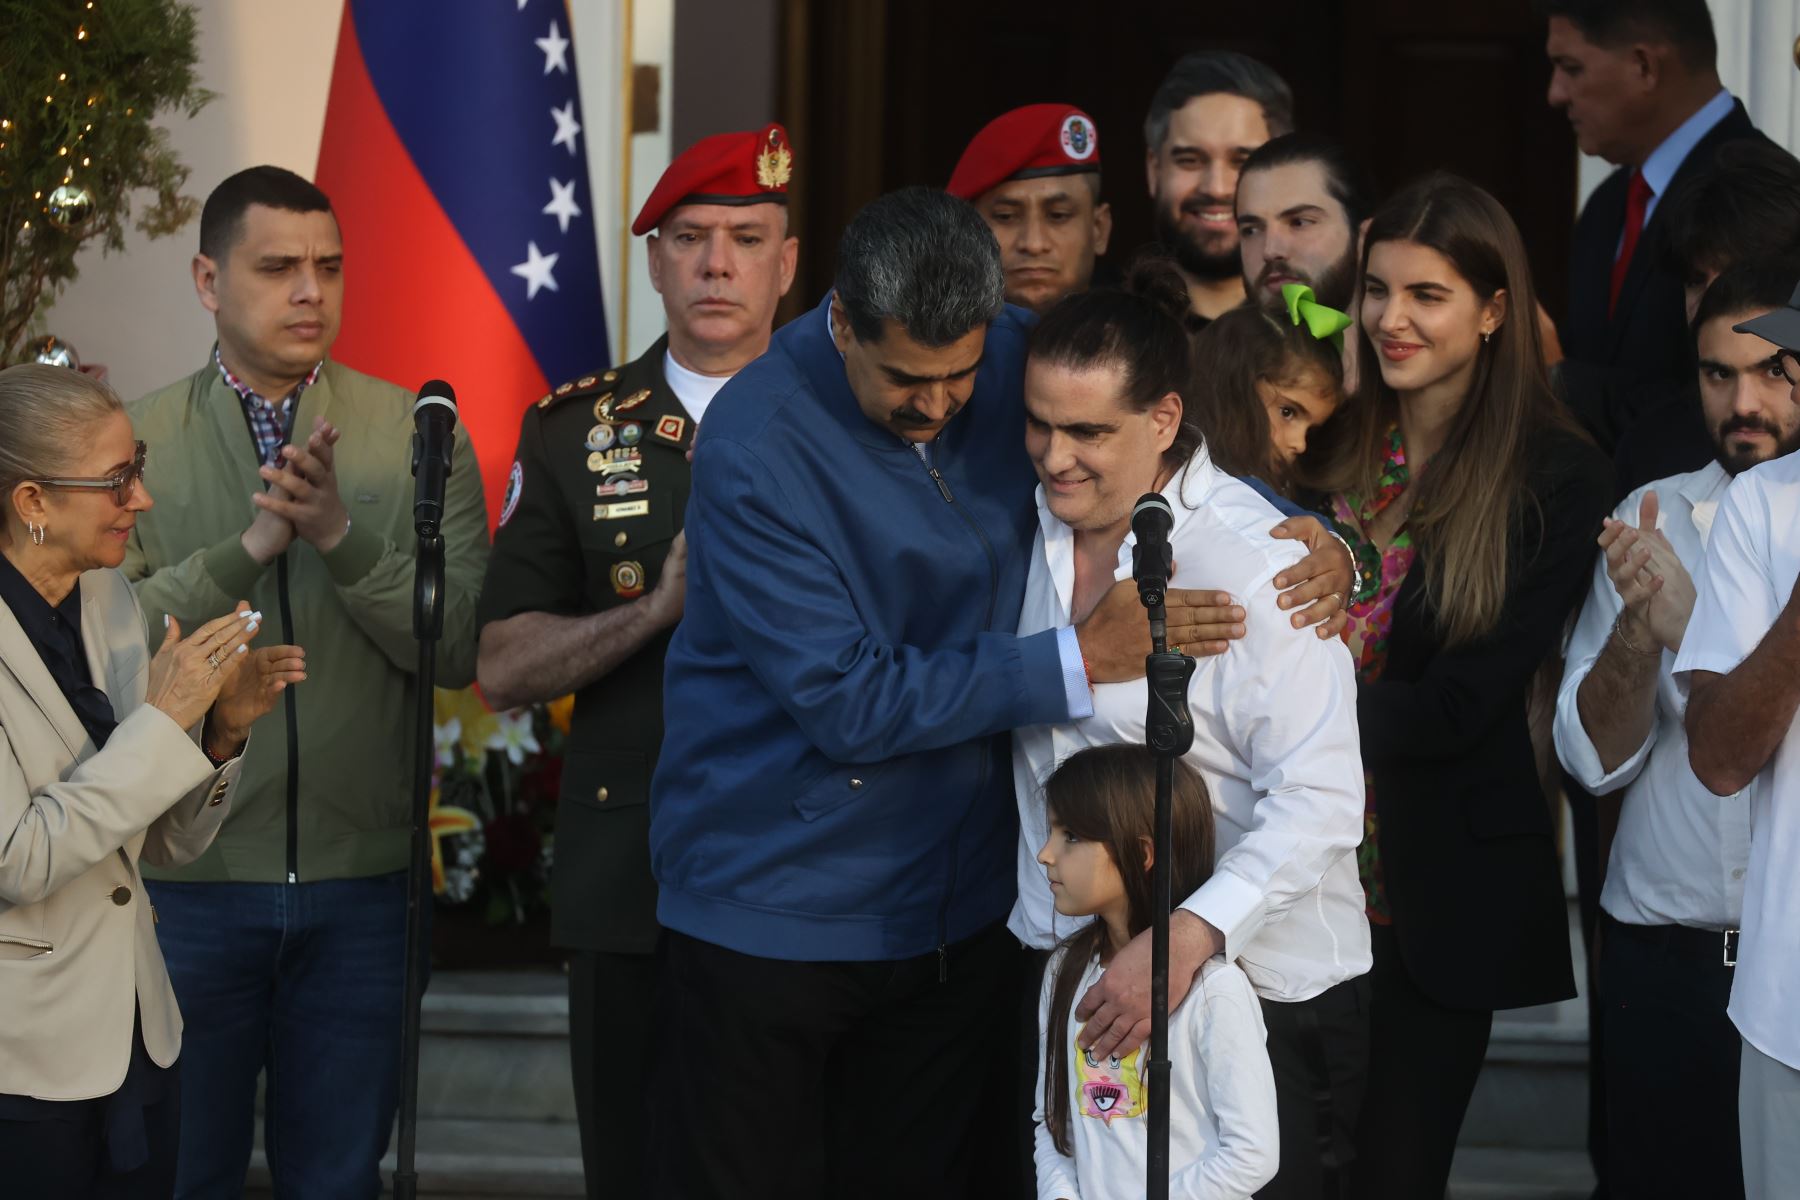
428, 627
1169, 732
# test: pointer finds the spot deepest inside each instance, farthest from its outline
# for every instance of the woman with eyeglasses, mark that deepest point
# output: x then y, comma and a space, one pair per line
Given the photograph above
111, 751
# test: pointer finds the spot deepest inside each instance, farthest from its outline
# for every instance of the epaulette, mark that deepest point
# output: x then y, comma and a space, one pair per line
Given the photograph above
579, 387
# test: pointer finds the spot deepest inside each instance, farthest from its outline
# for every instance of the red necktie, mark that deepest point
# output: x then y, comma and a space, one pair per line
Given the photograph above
1637, 199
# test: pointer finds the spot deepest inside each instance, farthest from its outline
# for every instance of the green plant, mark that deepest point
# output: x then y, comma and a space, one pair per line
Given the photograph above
80, 84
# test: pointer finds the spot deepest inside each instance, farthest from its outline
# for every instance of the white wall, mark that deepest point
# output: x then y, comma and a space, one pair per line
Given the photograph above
270, 64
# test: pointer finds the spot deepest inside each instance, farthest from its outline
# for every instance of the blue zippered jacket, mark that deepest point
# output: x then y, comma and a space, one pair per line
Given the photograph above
835, 780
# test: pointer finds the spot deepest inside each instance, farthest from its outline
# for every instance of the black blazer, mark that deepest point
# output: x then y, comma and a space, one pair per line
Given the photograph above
1615, 364
1468, 849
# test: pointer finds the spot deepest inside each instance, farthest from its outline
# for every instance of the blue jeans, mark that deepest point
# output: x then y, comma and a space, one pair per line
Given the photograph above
305, 981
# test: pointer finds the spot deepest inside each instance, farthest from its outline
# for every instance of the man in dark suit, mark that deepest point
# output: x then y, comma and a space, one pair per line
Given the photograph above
1640, 85
1744, 208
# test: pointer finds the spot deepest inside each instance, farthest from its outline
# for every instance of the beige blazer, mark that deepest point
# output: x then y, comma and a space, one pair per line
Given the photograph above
77, 933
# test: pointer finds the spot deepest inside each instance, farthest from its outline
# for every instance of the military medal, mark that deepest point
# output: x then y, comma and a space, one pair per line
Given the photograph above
622, 487
628, 579
621, 508
596, 461
620, 459
671, 429
603, 408
630, 433
600, 437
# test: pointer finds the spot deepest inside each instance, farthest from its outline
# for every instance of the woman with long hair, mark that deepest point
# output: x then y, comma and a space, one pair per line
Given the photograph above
1472, 501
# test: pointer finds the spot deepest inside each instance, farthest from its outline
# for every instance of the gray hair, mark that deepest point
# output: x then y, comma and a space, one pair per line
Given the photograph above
1206, 72
47, 414
924, 259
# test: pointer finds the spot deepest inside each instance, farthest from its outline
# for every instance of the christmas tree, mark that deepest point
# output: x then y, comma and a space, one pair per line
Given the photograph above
80, 83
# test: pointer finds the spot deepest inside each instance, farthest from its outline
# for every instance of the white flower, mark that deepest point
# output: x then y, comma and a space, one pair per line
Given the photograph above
446, 737
513, 735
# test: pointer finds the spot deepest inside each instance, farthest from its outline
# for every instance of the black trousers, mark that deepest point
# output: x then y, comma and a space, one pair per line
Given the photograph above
1424, 1059
799, 1080
1319, 1050
609, 995
66, 1158
1671, 1064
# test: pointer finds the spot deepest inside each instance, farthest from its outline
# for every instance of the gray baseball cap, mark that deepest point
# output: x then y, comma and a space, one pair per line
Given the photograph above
1781, 326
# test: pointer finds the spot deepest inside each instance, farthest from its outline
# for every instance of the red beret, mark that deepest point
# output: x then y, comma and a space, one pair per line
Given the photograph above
728, 168
1039, 139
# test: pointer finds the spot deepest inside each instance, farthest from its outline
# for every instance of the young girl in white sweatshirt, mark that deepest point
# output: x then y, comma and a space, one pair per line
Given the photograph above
1092, 1123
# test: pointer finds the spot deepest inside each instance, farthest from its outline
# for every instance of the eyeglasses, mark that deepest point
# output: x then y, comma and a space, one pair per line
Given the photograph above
119, 485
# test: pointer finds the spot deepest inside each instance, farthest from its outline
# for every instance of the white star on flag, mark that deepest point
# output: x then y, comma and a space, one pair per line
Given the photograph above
566, 126
556, 50
562, 204
521, 7
535, 271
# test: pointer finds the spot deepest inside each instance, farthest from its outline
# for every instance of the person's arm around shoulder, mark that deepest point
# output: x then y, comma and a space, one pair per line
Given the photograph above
855, 697
1233, 1059
1742, 655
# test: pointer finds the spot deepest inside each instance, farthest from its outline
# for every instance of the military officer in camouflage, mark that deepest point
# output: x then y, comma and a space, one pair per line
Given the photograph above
586, 583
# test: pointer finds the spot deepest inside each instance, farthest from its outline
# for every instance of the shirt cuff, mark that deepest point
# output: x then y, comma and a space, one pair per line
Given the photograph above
1576, 750
1078, 699
1232, 906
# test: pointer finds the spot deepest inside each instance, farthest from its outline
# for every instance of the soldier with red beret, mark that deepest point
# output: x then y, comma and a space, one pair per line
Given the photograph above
1034, 175
587, 581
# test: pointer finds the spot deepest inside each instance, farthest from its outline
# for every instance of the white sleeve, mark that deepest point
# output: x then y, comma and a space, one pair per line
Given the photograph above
1574, 748
1736, 604
1288, 702
1056, 1178
1240, 1090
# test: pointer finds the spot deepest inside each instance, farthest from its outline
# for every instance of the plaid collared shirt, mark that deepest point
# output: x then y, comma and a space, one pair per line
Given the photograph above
268, 420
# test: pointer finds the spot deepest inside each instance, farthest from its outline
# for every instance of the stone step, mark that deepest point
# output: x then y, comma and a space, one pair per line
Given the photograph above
475, 1160
494, 1045
523, 1160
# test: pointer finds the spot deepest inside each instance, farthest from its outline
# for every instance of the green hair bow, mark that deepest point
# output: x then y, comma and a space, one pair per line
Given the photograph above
1320, 321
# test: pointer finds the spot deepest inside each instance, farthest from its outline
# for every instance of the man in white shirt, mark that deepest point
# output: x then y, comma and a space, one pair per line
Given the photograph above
1275, 733
1674, 887
1741, 663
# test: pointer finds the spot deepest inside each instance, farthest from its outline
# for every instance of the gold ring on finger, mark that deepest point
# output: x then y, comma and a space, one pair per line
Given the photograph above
213, 661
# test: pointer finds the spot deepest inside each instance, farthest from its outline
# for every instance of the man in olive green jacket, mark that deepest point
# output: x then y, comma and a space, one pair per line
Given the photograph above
283, 478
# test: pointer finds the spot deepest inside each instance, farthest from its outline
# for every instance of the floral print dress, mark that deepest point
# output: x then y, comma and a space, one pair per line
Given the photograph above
1371, 613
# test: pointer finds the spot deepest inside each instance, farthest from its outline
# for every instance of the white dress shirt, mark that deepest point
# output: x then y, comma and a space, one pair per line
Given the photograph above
1224, 1138
1752, 561
1681, 852
1275, 740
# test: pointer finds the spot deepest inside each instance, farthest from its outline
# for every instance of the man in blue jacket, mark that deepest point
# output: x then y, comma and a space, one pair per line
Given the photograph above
832, 819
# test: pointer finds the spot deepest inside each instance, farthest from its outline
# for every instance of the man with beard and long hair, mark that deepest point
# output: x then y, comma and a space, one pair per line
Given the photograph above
1208, 116
1300, 201
1674, 894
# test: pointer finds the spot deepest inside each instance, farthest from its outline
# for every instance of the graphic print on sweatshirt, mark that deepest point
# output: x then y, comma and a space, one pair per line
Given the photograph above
1109, 1087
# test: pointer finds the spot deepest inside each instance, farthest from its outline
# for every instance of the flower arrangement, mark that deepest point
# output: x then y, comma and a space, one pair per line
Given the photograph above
493, 804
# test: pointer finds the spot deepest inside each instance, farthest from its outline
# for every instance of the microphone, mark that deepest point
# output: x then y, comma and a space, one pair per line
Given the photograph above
434, 430
1152, 559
